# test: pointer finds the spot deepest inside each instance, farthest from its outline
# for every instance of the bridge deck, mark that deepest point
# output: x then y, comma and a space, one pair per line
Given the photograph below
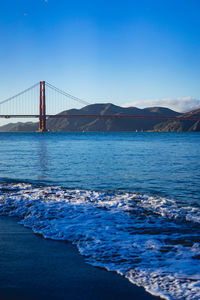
105, 117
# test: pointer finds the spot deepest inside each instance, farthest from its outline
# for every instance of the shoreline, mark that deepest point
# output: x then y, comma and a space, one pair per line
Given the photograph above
33, 268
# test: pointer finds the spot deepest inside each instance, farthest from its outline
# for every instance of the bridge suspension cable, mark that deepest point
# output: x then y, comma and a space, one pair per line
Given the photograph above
25, 103
20, 94
67, 94
51, 87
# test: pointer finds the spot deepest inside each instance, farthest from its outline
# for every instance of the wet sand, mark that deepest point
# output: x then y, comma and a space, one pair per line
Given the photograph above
32, 268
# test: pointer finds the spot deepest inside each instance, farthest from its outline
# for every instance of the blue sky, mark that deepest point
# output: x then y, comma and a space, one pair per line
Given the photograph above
124, 52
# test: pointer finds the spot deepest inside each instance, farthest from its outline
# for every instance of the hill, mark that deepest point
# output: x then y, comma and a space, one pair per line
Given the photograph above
89, 125
96, 124
19, 127
181, 125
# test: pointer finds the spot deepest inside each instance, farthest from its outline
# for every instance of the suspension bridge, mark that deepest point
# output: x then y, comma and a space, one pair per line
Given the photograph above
45, 101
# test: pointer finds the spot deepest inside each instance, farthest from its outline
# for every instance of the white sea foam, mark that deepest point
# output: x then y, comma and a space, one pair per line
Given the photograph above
152, 241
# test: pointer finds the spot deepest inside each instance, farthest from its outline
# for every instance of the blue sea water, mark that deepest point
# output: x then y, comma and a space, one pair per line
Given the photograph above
129, 201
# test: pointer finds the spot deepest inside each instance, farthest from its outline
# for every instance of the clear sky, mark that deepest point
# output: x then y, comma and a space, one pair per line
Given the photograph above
135, 52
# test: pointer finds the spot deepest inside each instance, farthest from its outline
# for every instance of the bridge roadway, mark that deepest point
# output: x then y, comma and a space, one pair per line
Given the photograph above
104, 117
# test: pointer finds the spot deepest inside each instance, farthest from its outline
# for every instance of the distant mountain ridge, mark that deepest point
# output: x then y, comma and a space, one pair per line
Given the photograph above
98, 125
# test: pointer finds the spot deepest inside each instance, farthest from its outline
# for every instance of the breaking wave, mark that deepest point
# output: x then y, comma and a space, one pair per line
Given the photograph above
150, 240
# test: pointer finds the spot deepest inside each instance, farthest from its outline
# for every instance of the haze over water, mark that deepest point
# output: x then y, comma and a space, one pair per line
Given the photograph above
129, 201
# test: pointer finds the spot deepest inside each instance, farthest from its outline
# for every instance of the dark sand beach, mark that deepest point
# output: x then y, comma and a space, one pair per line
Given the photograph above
32, 268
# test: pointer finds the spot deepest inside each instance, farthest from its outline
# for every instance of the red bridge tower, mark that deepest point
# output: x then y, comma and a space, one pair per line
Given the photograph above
42, 108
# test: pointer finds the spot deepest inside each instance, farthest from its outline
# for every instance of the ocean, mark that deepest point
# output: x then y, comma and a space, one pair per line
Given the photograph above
128, 201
